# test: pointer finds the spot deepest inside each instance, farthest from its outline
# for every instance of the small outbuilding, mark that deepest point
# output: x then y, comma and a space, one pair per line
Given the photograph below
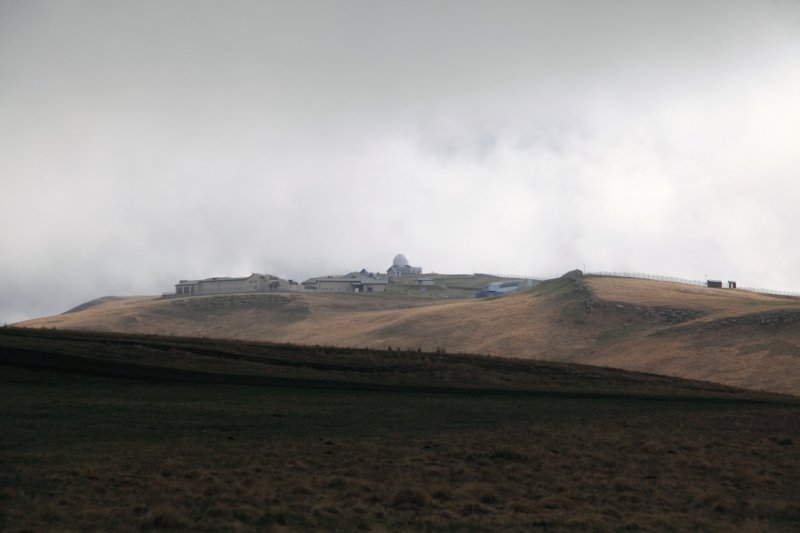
714, 284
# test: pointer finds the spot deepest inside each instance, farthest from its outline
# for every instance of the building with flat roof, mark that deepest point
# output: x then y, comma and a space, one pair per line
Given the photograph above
362, 281
347, 284
225, 285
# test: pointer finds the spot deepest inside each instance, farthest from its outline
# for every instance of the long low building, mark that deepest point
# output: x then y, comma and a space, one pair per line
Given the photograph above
362, 281
252, 283
351, 284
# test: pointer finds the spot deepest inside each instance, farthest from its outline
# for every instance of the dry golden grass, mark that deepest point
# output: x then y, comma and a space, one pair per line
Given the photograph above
624, 323
726, 343
218, 361
658, 293
505, 326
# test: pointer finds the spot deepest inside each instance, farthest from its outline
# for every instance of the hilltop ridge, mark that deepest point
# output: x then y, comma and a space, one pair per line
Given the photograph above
734, 337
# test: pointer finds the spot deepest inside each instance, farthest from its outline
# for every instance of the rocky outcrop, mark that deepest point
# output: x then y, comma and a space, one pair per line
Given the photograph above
668, 314
677, 316
761, 319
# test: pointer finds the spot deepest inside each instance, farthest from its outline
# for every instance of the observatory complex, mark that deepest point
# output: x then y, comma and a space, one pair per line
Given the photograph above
401, 267
362, 281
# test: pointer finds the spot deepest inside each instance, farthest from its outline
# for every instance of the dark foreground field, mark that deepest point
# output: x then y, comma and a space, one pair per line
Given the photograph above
129, 433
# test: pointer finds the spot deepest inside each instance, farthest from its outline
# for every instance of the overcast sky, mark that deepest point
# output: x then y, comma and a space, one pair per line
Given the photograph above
150, 141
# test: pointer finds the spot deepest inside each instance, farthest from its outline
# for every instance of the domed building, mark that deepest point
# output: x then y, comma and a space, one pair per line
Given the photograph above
401, 267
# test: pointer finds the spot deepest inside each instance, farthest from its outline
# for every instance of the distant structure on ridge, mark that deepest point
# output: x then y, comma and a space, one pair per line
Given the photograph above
252, 283
499, 288
401, 267
362, 281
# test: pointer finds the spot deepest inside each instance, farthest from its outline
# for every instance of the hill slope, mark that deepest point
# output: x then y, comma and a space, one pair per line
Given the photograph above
115, 432
737, 337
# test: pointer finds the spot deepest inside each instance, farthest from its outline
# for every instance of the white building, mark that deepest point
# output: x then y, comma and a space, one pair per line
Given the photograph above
401, 267
252, 283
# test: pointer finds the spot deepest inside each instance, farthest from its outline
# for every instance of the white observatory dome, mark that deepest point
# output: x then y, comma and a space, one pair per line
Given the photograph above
400, 261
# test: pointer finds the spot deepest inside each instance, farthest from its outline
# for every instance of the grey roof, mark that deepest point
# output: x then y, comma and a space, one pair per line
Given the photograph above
225, 278
363, 281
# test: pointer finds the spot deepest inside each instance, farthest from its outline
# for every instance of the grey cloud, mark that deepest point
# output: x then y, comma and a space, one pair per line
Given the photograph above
149, 141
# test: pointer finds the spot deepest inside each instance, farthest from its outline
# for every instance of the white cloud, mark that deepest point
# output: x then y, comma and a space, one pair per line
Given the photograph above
144, 142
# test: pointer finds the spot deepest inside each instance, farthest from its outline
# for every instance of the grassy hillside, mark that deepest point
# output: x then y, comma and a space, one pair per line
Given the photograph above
448, 286
184, 359
129, 433
734, 337
728, 336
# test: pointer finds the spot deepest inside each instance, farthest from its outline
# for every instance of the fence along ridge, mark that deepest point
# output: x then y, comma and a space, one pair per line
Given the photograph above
697, 283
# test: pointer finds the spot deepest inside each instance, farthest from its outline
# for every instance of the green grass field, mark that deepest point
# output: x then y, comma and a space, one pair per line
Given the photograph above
91, 448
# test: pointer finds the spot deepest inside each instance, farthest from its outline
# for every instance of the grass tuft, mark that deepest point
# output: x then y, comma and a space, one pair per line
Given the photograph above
409, 499
163, 517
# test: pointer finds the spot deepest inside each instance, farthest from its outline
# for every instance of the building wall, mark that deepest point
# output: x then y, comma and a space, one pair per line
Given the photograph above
403, 270
222, 286
185, 289
292, 287
256, 282
262, 283
346, 285
329, 285
253, 283
376, 287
